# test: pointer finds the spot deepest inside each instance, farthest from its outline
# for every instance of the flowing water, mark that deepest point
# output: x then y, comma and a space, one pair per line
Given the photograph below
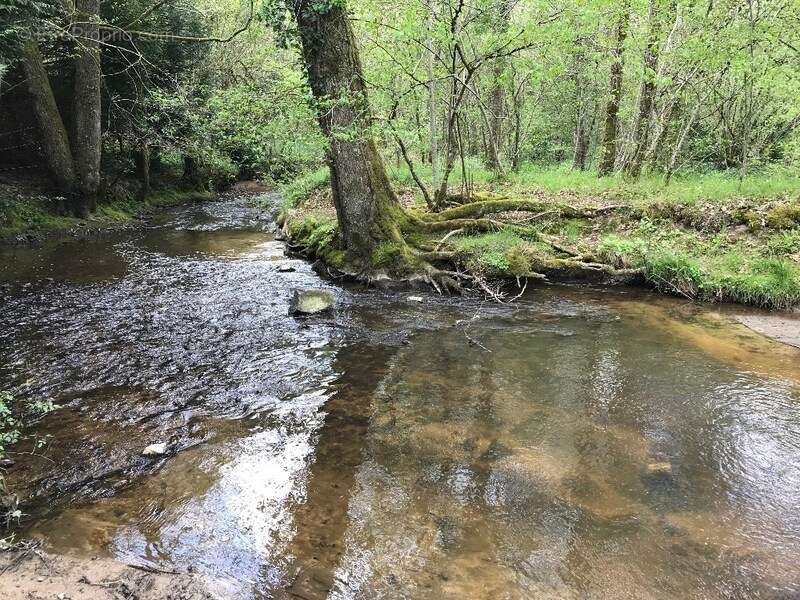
579, 443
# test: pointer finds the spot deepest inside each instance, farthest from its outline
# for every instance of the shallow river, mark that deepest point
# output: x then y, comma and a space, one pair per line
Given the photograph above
591, 444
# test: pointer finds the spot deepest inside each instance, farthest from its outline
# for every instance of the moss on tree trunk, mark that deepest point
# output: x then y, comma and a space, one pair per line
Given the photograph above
55, 141
366, 207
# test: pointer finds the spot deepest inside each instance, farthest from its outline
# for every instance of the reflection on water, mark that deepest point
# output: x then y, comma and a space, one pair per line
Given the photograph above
603, 444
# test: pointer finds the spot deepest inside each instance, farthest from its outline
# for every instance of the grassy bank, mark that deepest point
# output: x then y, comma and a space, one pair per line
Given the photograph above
706, 237
26, 213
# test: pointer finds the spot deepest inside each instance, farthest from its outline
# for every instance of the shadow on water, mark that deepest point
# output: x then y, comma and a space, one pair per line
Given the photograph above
321, 518
595, 444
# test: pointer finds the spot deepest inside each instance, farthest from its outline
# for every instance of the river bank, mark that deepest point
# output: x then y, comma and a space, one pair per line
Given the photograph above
31, 573
730, 249
32, 214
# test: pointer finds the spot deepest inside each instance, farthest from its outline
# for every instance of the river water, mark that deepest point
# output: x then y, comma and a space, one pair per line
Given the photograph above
591, 444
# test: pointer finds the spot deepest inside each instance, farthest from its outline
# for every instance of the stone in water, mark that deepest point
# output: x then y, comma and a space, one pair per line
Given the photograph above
310, 302
155, 449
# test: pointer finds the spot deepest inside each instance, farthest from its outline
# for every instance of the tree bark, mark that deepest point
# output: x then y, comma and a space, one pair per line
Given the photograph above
366, 206
191, 174
434, 155
583, 134
673, 160
611, 125
641, 128
87, 105
56, 148
142, 160
496, 103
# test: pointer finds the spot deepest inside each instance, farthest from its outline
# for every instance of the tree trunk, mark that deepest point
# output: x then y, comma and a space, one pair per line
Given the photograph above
611, 125
87, 109
142, 160
673, 161
583, 135
641, 128
497, 94
432, 97
57, 153
496, 102
191, 175
366, 206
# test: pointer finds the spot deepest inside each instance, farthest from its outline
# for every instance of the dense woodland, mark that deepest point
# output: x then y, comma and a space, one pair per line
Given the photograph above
445, 97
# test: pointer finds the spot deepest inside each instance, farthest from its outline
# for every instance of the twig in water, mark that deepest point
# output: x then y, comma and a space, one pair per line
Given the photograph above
471, 340
518, 296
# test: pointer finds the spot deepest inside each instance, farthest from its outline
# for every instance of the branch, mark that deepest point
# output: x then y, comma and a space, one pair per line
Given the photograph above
170, 37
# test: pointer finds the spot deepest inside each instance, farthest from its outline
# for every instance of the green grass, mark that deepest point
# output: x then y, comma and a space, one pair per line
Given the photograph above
708, 270
502, 254
20, 215
300, 188
715, 186
784, 243
38, 214
775, 182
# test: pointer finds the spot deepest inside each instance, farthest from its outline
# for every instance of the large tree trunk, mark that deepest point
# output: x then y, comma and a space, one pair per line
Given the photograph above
366, 206
497, 94
57, 153
611, 126
87, 134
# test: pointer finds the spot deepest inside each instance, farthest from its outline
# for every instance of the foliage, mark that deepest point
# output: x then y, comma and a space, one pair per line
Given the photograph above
264, 137
300, 188
19, 21
10, 425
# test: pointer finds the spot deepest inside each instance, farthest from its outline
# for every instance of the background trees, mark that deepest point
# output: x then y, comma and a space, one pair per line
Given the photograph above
648, 87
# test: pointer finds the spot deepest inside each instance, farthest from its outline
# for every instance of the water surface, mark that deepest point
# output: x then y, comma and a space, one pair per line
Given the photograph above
378, 452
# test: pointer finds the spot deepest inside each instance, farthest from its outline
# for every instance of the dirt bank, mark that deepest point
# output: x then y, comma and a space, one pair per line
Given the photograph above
30, 574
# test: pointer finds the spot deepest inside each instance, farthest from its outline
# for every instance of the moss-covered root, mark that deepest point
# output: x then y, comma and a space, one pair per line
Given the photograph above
481, 208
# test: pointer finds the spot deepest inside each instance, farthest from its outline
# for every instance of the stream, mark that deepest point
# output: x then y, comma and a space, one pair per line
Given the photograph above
593, 443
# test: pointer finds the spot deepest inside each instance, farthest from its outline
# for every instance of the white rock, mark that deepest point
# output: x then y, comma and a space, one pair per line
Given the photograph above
415, 299
155, 449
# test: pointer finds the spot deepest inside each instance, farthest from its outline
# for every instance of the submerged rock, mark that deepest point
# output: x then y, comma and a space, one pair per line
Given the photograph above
660, 469
286, 269
158, 449
310, 302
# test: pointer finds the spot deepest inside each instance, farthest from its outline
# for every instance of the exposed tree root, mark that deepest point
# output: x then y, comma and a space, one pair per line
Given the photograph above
477, 210
466, 225
409, 262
